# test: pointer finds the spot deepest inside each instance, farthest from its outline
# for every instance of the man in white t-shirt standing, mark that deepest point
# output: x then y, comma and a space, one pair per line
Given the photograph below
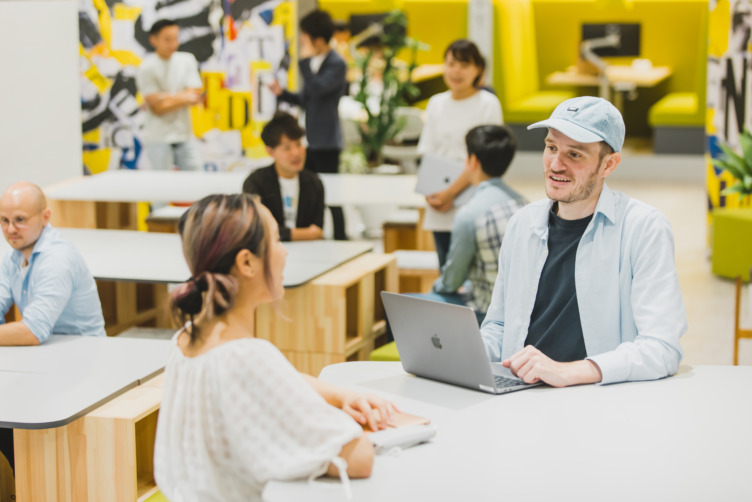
295, 196
170, 84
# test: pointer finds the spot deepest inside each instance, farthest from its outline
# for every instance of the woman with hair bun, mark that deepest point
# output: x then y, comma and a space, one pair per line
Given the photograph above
235, 413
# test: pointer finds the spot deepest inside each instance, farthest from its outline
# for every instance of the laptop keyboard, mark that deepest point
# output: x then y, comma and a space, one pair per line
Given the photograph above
502, 382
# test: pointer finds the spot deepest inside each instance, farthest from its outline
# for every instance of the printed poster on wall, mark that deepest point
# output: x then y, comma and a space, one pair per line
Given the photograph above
239, 44
729, 89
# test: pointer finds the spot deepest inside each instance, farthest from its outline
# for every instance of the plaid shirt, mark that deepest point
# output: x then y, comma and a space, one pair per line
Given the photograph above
477, 233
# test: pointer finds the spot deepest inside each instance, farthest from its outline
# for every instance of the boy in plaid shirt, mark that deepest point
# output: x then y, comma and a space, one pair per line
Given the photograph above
479, 225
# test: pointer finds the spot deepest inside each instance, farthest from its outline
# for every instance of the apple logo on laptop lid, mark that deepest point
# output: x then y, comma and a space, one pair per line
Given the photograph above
436, 341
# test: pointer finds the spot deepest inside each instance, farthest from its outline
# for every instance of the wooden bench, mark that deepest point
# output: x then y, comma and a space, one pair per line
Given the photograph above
417, 270
403, 229
165, 219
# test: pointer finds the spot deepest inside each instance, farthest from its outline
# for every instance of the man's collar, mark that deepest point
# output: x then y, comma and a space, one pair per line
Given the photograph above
495, 181
606, 206
39, 246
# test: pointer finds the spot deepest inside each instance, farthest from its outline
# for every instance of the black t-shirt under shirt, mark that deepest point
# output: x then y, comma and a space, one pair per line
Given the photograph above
555, 326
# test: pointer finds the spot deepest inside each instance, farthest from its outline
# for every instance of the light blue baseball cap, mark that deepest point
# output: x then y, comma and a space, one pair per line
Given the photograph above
587, 119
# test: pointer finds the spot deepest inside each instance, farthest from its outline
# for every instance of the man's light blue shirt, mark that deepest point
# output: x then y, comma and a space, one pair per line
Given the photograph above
628, 293
56, 293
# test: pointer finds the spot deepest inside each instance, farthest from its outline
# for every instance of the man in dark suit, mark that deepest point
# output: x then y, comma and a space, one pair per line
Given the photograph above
324, 82
294, 196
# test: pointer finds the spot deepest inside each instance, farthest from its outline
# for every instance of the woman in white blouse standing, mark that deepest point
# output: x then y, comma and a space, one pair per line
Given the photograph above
235, 413
449, 116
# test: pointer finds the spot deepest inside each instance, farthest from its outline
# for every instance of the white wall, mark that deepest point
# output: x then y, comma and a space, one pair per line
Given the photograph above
40, 103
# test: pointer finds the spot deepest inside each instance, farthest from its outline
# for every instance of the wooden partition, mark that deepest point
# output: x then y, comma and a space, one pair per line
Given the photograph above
93, 214
105, 455
334, 318
128, 304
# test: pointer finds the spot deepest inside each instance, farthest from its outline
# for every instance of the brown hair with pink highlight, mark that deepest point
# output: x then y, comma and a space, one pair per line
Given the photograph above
213, 231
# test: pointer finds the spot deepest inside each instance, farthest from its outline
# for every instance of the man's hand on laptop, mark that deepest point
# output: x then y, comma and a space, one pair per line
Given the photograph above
532, 366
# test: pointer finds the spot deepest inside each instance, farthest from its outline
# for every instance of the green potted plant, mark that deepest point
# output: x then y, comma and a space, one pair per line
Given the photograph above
732, 226
738, 166
382, 122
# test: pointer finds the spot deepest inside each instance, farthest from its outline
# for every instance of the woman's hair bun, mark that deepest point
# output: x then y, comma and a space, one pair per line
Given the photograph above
189, 297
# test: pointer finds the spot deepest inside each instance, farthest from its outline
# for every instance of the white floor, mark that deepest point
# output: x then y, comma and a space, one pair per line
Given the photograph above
676, 186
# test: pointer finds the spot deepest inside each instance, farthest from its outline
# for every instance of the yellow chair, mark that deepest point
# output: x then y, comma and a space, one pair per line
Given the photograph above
738, 332
386, 352
157, 497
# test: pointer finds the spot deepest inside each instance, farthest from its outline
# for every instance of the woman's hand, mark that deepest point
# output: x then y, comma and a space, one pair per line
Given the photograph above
441, 201
369, 410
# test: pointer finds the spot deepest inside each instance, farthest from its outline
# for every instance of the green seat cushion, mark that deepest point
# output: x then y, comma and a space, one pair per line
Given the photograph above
732, 242
386, 352
534, 107
676, 109
157, 497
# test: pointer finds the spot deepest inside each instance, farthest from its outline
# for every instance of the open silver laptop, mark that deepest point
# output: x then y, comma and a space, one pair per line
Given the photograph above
442, 342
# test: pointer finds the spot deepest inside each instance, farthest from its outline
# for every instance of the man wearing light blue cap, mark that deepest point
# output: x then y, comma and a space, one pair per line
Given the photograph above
587, 290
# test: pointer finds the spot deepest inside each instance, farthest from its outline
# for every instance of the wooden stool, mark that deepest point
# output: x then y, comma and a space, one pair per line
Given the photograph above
165, 219
417, 270
739, 333
403, 229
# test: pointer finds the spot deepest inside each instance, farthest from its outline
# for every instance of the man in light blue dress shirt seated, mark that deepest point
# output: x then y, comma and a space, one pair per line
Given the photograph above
44, 275
587, 290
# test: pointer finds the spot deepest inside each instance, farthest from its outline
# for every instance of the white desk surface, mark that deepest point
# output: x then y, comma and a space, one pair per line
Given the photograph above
183, 186
53, 384
126, 255
685, 438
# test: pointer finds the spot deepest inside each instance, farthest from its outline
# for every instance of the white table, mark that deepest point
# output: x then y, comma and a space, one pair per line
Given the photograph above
125, 255
315, 323
83, 422
53, 384
189, 186
685, 438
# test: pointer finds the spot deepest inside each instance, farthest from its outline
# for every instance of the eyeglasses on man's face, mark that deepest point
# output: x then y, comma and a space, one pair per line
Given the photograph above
20, 222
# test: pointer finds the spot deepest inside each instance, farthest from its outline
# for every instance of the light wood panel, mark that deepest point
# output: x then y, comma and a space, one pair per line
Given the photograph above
334, 317
93, 214
413, 280
408, 235
128, 304
105, 455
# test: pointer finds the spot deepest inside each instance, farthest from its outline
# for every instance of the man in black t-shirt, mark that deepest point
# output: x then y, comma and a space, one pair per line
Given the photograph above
587, 289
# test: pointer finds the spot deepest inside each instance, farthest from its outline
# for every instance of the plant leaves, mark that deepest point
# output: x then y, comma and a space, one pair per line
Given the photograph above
737, 187
723, 164
745, 140
733, 160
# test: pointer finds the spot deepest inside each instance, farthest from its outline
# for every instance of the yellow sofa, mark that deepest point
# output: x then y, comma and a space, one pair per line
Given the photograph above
516, 74
673, 34
534, 38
